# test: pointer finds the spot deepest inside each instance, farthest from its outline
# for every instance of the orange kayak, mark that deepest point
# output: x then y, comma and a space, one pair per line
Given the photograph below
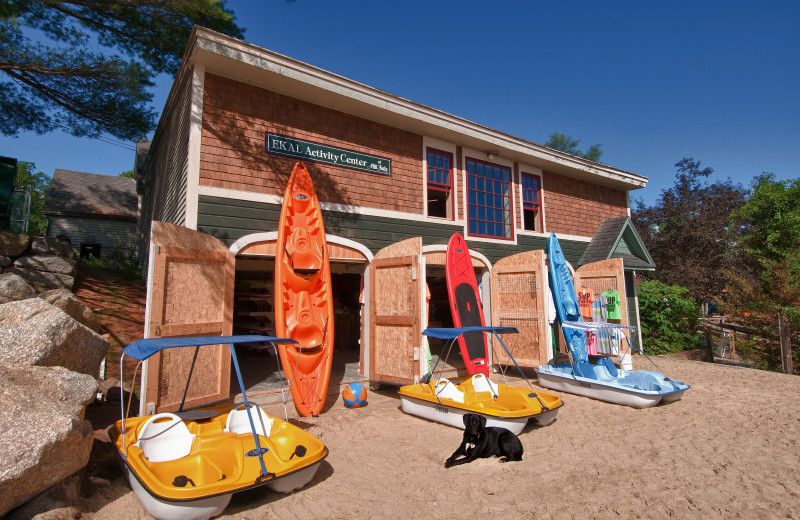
303, 298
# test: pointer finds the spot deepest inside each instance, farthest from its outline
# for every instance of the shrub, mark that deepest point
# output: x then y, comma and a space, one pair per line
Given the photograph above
668, 317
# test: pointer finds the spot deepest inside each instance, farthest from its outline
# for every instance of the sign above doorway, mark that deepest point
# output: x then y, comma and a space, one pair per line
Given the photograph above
308, 151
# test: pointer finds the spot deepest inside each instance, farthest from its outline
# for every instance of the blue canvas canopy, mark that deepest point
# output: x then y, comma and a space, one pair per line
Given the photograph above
455, 332
144, 348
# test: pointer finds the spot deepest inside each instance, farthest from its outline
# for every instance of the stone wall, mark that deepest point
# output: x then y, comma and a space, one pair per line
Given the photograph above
44, 262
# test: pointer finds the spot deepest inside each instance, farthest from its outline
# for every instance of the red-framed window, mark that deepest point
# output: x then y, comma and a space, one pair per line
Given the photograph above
532, 202
440, 183
489, 201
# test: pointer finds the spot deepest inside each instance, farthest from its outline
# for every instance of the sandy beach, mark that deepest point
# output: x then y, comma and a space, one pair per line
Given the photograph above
729, 449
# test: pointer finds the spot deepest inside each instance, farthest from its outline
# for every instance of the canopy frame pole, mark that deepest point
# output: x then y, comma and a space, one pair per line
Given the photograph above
259, 450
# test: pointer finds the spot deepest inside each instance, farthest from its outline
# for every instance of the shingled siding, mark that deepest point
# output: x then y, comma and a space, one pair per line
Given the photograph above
112, 235
165, 169
230, 219
576, 207
237, 117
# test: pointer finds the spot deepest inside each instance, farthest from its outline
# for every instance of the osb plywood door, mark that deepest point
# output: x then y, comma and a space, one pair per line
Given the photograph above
518, 300
192, 295
395, 313
606, 275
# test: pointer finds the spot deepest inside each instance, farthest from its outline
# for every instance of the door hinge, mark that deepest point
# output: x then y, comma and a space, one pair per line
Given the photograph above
413, 273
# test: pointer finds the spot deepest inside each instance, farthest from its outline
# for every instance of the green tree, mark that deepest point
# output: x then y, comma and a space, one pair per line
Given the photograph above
668, 317
565, 143
128, 173
687, 231
769, 287
85, 67
38, 183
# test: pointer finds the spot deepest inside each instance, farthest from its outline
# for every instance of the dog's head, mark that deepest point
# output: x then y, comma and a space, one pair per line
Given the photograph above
474, 423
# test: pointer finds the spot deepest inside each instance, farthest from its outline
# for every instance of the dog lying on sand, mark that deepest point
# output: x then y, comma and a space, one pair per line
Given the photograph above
480, 441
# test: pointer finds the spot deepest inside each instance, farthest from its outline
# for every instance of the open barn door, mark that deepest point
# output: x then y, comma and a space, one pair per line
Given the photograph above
191, 294
606, 278
519, 292
395, 295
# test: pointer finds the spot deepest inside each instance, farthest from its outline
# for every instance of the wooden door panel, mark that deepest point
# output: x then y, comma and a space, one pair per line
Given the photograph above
191, 295
518, 296
395, 313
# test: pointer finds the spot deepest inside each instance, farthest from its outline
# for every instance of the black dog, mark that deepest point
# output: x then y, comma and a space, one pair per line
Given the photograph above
480, 441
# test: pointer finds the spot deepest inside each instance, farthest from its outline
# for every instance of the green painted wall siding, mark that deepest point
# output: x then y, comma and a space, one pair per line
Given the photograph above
229, 220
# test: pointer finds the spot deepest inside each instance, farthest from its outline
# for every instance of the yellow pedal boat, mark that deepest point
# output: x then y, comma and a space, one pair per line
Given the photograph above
185, 465
502, 405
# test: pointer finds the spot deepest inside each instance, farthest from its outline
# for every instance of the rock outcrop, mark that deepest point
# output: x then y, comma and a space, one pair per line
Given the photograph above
44, 437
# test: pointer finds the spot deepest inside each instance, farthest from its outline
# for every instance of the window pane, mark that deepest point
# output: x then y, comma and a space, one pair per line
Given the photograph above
489, 198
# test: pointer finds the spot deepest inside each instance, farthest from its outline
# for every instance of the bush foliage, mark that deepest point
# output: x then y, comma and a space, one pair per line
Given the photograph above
668, 316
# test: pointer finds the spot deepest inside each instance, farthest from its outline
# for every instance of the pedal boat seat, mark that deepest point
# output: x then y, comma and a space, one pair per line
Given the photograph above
238, 421
164, 437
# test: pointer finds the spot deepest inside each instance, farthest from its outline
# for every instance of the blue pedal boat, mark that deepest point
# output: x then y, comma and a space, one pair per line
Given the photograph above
602, 380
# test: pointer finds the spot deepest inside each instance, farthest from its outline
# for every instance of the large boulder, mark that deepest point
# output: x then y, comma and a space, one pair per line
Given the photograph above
48, 264
13, 244
13, 288
38, 333
67, 302
42, 280
44, 437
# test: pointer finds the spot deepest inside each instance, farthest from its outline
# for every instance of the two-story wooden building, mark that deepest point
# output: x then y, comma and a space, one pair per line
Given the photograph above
395, 178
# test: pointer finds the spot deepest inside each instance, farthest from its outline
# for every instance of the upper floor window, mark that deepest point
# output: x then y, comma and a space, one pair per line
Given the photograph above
488, 199
440, 184
531, 202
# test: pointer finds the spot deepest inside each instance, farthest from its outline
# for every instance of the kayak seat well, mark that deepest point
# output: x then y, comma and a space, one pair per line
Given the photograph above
238, 421
303, 252
164, 437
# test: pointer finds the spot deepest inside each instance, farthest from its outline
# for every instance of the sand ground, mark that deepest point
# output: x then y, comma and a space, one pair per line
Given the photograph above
729, 449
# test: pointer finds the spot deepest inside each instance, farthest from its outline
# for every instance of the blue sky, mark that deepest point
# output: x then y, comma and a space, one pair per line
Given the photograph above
652, 82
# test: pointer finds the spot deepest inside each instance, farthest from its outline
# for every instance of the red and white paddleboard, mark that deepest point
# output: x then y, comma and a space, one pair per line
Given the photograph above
465, 304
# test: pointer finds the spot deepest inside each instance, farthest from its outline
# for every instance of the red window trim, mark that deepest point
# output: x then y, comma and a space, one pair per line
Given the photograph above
531, 205
440, 186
